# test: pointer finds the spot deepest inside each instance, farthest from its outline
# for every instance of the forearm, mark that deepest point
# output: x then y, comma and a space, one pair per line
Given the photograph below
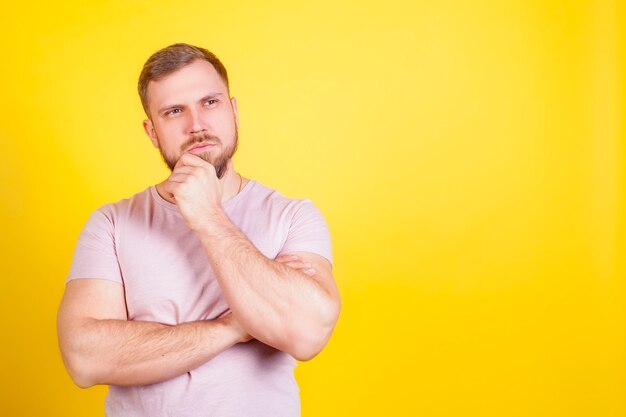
277, 305
125, 353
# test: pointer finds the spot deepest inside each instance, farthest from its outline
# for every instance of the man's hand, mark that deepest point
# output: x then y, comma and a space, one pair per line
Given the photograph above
296, 262
196, 190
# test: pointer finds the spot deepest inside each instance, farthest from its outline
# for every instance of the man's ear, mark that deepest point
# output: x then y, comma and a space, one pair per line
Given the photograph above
149, 128
233, 102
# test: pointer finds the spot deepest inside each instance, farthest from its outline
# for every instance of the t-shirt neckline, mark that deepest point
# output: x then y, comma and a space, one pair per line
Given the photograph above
225, 204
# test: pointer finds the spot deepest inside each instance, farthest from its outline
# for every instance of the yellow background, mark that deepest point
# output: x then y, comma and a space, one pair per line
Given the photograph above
468, 157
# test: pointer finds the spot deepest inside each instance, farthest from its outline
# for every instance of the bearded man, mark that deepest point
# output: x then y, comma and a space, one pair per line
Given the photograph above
195, 296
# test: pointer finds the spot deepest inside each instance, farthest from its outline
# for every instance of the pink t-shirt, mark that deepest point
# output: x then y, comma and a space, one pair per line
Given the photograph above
144, 244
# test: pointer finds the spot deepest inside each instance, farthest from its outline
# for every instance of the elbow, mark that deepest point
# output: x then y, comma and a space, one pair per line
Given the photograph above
82, 381
306, 346
81, 368
309, 340
81, 362
304, 356
81, 373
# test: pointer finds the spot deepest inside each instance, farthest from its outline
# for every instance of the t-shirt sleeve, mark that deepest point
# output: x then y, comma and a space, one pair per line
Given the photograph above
95, 255
308, 232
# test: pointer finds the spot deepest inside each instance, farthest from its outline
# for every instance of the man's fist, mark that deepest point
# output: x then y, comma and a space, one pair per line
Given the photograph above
195, 189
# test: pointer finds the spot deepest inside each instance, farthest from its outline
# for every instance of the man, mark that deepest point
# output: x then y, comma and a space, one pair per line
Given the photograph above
194, 296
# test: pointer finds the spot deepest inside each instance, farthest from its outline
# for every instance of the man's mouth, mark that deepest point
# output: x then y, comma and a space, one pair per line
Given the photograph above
201, 147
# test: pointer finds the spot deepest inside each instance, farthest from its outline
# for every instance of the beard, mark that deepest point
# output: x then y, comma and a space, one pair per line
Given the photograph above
220, 161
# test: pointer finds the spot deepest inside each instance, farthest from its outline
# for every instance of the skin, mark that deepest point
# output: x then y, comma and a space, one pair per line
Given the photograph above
290, 303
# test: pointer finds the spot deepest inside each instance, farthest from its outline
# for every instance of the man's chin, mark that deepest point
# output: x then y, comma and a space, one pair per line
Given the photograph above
207, 157
220, 166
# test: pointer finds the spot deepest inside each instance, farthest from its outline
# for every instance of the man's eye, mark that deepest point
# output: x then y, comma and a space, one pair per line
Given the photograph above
210, 101
173, 111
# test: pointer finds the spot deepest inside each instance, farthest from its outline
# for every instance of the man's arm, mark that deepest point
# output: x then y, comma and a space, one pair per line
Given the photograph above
288, 309
100, 346
283, 308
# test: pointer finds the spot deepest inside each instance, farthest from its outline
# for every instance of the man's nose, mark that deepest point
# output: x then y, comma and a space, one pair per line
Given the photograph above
196, 122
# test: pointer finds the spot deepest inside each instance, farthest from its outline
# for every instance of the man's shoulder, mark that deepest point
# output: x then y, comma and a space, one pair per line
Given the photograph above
123, 205
264, 195
266, 201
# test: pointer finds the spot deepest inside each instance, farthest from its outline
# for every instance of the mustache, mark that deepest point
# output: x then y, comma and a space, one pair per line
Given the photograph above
199, 138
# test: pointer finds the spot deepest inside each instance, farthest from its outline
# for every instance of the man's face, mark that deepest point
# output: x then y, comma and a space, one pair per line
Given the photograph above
191, 111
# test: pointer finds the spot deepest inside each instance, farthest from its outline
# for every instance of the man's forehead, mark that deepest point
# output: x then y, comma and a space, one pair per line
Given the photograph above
188, 83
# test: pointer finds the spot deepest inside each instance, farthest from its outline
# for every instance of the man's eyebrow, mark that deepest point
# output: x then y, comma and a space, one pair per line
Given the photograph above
207, 97
210, 96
